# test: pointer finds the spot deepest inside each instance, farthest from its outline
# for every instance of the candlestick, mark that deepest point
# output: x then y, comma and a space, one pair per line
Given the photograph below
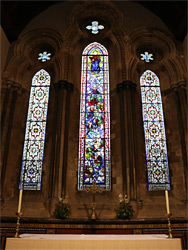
168, 213
167, 202
169, 226
18, 224
20, 200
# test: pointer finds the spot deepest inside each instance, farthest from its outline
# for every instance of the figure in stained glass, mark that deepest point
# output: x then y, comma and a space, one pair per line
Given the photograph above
94, 144
95, 60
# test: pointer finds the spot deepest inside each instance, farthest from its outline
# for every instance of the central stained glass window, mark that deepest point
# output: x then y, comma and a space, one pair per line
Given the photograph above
94, 138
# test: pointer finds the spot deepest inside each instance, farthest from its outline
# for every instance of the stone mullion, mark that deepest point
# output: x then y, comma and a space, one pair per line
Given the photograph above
122, 125
181, 133
69, 88
15, 88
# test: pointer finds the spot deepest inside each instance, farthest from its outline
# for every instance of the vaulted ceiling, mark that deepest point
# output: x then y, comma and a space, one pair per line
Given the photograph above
15, 15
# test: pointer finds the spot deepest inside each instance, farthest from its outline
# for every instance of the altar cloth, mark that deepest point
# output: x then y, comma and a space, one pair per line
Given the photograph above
93, 242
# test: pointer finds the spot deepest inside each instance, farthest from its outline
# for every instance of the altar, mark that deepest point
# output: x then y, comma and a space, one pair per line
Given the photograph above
93, 242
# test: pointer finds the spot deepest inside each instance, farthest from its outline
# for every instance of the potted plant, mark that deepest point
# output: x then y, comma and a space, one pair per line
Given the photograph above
63, 208
125, 210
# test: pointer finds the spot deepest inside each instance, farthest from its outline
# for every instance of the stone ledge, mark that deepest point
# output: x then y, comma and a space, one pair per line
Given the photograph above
93, 222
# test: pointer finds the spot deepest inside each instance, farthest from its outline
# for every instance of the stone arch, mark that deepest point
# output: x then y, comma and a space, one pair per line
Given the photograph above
77, 36
24, 58
165, 53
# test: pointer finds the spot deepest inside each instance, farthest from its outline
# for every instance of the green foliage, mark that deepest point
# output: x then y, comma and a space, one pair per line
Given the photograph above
63, 209
125, 210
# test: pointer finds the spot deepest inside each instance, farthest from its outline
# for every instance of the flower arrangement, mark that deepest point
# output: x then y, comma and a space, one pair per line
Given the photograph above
63, 208
125, 210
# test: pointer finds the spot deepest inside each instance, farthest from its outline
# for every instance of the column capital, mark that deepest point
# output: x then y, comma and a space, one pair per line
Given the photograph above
10, 84
174, 87
129, 84
119, 87
58, 85
63, 84
16, 86
70, 86
179, 85
182, 84
7, 83
126, 85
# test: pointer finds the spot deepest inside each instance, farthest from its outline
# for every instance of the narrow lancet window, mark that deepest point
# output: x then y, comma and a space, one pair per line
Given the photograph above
33, 151
154, 130
94, 137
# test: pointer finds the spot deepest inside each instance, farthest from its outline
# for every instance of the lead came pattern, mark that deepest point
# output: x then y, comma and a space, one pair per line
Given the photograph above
94, 144
154, 130
32, 161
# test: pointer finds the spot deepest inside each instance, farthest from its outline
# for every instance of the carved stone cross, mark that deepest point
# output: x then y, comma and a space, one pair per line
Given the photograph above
94, 190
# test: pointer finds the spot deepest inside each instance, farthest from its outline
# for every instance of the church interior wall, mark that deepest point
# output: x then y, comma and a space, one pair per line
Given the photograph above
185, 48
65, 37
4, 49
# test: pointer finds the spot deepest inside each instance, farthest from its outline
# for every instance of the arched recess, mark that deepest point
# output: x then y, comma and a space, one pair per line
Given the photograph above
32, 161
77, 38
94, 138
112, 36
169, 65
166, 55
154, 130
23, 63
23, 56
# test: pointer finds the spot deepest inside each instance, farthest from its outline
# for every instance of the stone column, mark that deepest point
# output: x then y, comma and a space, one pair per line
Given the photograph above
10, 97
69, 89
179, 91
55, 142
127, 91
123, 144
7, 86
182, 93
58, 166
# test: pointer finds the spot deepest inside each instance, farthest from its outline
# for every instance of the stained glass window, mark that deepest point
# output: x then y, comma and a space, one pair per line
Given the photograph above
32, 159
94, 138
154, 130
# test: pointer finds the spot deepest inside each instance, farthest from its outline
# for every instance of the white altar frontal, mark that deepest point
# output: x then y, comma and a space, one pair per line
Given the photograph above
93, 242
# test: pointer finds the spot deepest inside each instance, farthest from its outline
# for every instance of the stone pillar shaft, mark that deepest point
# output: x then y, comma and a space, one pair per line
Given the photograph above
69, 88
181, 104
182, 94
57, 181
55, 143
123, 144
5, 104
127, 115
14, 90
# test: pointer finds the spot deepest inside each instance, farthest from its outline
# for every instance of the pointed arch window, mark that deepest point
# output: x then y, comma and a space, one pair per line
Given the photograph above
154, 130
32, 159
94, 136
